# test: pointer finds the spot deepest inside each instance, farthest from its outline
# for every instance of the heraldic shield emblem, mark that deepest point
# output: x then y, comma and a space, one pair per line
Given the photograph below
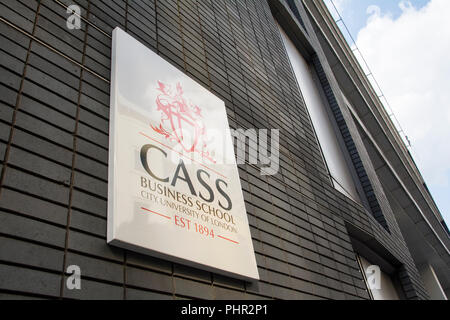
181, 121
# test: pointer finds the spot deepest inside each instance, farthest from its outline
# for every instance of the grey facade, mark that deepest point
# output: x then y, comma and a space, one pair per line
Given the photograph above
54, 96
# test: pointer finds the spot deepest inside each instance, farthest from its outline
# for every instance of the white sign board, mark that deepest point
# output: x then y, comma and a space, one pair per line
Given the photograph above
174, 189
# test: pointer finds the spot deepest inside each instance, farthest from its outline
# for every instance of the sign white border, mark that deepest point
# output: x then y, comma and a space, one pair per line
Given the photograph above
246, 268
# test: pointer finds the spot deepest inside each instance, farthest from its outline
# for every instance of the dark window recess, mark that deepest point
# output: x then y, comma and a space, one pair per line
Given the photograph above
351, 147
294, 9
445, 227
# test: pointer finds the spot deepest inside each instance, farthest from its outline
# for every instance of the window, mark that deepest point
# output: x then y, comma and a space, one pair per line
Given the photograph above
380, 285
323, 123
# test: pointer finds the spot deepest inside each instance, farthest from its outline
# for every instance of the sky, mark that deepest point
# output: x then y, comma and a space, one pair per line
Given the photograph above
407, 47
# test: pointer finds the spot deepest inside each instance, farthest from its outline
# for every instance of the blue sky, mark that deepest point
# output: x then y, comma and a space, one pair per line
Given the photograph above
409, 59
355, 15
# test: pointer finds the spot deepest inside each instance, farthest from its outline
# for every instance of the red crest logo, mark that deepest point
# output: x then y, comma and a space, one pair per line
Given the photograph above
185, 120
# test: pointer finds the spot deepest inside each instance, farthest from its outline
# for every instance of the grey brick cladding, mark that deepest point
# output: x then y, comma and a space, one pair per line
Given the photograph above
54, 96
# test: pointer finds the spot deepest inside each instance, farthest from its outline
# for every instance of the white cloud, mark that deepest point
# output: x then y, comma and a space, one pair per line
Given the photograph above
410, 58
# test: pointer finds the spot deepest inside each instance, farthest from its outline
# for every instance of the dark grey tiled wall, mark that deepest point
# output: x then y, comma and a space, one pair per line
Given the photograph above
54, 95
